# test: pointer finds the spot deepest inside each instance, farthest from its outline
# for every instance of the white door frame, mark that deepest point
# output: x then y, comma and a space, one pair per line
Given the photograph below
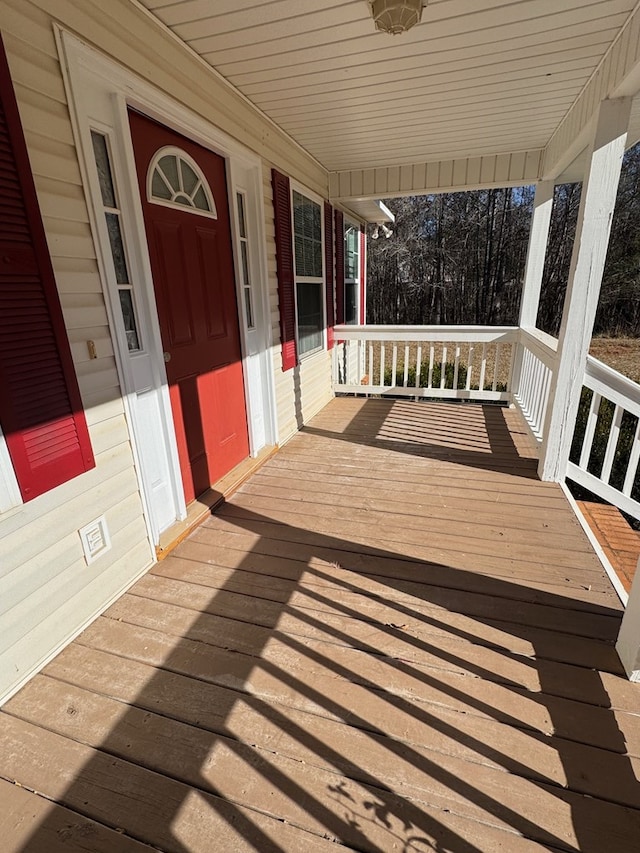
100, 91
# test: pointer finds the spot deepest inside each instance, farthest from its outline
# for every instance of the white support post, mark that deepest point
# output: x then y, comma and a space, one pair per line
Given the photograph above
538, 236
532, 284
628, 643
585, 277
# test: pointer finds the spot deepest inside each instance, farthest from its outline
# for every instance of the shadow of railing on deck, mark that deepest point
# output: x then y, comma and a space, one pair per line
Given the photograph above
381, 692
442, 440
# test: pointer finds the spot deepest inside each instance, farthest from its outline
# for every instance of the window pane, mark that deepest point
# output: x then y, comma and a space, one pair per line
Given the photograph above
307, 228
117, 248
200, 200
129, 319
159, 189
169, 166
351, 245
189, 177
248, 308
104, 169
245, 263
299, 253
350, 302
241, 215
310, 318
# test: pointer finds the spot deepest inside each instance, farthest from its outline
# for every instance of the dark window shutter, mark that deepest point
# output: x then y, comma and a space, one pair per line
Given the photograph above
40, 407
328, 270
339, 268
284, 266
363, 274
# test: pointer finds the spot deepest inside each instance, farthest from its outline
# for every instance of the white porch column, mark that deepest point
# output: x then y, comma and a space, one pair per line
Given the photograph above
599, 190
628, 643
538, 236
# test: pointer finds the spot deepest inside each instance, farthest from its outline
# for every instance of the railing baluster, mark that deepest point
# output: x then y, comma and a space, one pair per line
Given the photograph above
526, 385
431, 355
547, 388
406, 365
612, 444
418, 366
469, 368
442, 367
382, 366
590, 431
537, 391
394, 365
632, 467
456, 367
512, 359
370, 383
483, 367
345, 350
541, 395
496, 363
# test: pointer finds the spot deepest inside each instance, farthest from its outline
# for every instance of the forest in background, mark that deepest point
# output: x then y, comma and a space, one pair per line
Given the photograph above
459, 258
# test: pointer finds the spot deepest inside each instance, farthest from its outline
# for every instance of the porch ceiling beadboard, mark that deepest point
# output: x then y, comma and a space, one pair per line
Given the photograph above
480, 89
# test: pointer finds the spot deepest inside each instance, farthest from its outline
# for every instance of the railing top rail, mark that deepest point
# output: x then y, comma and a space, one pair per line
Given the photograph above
530, 333
542, 345
612, 385
472, 334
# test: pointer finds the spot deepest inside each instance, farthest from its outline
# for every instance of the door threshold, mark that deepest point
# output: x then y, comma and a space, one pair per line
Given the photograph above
206, 503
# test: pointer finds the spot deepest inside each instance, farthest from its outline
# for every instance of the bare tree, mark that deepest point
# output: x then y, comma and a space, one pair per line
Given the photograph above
459, 258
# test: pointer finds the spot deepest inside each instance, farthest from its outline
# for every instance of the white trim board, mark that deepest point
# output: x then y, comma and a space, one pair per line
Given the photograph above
623, 595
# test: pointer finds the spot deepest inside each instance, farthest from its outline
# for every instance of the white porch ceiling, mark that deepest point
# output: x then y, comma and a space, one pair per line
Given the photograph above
475, 79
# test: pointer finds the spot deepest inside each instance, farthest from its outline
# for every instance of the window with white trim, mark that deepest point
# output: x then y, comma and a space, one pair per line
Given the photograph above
309, 272
351, 271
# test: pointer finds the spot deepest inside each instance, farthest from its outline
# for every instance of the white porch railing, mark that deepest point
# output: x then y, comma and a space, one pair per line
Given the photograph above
441, 362
534, 364
606, 443
507, 364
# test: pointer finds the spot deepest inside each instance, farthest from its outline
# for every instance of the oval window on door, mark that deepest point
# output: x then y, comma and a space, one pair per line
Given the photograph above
174, 179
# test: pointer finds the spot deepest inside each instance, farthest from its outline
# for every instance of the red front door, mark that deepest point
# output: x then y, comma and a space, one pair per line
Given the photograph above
189, 237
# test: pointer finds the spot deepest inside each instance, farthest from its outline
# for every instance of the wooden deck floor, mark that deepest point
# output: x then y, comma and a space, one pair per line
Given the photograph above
392, 638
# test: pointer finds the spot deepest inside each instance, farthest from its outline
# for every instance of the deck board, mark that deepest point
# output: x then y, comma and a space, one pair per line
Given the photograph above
392, 637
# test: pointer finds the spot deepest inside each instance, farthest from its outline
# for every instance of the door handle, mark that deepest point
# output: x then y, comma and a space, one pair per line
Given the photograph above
166, 356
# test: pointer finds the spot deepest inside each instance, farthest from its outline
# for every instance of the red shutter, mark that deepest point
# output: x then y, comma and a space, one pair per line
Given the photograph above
328, 267
339, 268
363, 275
40, 408
284, 266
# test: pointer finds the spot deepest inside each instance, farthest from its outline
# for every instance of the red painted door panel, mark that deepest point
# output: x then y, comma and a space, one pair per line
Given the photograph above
192, 266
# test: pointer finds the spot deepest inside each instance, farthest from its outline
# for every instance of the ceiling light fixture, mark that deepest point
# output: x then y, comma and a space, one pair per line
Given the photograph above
396, 16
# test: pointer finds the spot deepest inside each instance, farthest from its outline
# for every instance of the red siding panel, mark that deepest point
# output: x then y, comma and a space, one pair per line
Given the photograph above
284, 265
328, 266
339, 268
40, 408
